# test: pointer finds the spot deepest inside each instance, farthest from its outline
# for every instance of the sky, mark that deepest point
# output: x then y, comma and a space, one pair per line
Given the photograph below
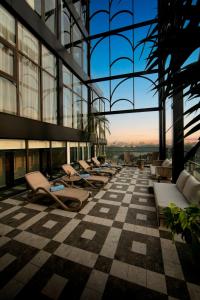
128, 128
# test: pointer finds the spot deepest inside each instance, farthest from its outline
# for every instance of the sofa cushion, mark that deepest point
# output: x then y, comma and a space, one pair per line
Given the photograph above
166, 193
182, 180
153, 170
166, 163
191, 190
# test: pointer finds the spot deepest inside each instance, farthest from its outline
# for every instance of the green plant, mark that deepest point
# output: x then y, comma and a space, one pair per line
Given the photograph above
185, 222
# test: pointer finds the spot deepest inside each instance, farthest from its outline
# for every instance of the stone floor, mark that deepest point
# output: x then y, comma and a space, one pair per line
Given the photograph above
112, 249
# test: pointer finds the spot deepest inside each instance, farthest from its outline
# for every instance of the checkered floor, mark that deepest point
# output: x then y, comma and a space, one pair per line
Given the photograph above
112, 249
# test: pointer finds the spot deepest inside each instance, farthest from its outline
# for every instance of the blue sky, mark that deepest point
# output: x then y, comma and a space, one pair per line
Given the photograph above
141, 127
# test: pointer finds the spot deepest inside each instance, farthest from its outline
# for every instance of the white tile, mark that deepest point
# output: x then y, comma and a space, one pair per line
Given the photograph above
111, 243
141, 217
107, 186
26, 273
118, 191
50, 224
169, 251
64, 213
104, 210
139, 247
32, 221
35, 206
11, 289
40, 258
142, 194
89, 206
143, 207
100, 194
127, 198
119, 186
88, 234
77, 255
110, 202
66, 230
19, 216
4, 240
98, 220
113, 196
141, 229
173, 270
9, 211
54, 286
121, 214
13, 201
143, 189
142, 200
156, 282
131, 188
128, 272
97, 281
194, 291
6, 260
5, 229
31, 239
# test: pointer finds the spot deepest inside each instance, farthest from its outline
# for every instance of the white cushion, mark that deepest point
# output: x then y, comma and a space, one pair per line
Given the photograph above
182, 180
191, 190
166, 193
166, 163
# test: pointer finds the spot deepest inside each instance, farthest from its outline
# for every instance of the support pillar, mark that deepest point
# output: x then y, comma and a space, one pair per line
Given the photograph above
178, 136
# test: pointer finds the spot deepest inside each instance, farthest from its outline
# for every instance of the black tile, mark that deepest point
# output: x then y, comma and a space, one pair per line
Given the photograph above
94, 245
118, 224
79, 216
51, 246
165, 234
76, 276
152, 260
151, 217
123, 187
103, 264
13, 233
39, 229
120, 289
177, 288
125, 204
150, 200
139, 189
23, 254
111, 214
119, 197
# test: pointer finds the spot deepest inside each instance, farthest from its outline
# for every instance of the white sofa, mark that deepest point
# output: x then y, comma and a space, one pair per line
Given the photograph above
185, 192
161, 169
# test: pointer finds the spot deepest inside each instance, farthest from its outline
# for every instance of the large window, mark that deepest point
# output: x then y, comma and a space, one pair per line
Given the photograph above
19, 164
2, 170
65, 25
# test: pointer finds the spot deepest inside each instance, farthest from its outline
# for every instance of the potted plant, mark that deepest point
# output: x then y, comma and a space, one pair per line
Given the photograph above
185, 222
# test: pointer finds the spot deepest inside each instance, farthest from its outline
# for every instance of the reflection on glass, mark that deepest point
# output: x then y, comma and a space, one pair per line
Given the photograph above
6, 59
38, 144
28, 44
19, 164
67, 107
8, 102
58, 144
58, 158
65, 25
77, 54
73, 154
12, 144
29, 89
76, 85
50, 9
33, 160
48, 61
35, 5
7, 26
67, 77
85, 114
49, 99
2, 170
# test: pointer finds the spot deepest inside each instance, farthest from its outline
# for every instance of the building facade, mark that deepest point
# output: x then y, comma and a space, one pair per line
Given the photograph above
44, 102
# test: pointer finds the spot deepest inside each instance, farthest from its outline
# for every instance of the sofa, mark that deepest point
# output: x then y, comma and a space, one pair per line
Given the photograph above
184, 192
161, 169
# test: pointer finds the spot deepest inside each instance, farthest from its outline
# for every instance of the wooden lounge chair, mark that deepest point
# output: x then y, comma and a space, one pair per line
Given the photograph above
73, 176
105, 165
40, 186
97, 171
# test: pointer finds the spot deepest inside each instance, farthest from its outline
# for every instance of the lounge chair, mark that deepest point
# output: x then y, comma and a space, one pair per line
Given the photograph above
105, 165
96, 171
73, 176
40, 186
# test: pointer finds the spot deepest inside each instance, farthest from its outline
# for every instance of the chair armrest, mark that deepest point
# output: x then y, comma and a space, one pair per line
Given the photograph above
163, 171
60, 181
157, 162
